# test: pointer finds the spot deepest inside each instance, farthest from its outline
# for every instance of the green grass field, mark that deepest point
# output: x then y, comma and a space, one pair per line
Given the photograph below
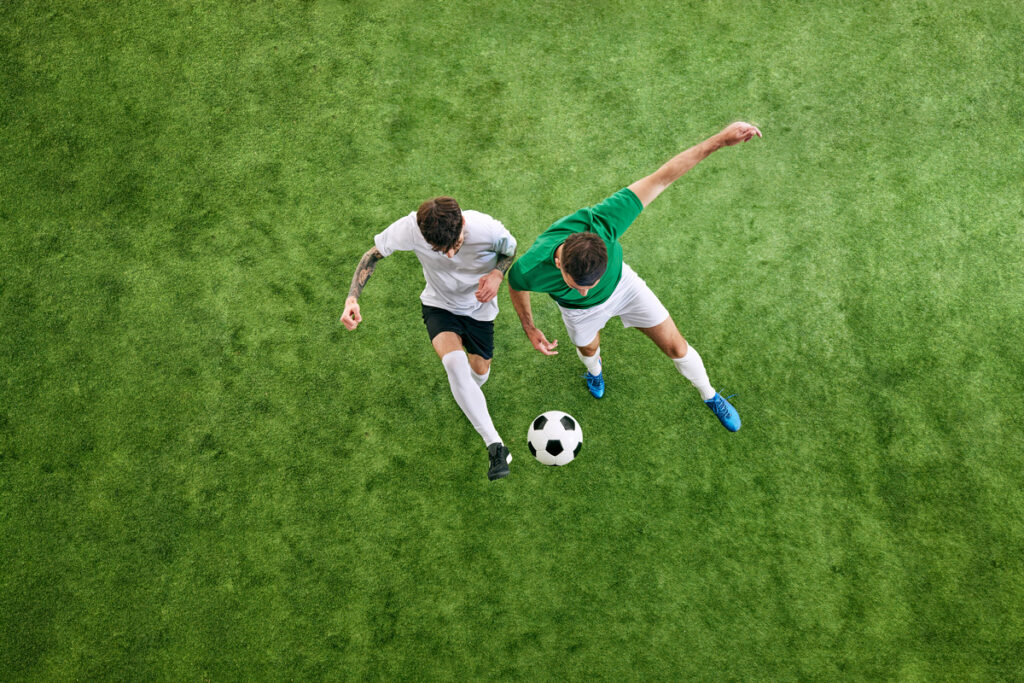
204, 476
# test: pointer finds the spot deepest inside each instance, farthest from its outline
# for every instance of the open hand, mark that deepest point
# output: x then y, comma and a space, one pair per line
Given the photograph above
541, 343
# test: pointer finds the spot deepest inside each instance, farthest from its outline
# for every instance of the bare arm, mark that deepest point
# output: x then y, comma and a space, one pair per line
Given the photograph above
504, 263
363, 272
489, 283
647, 189
521, 302
351, 317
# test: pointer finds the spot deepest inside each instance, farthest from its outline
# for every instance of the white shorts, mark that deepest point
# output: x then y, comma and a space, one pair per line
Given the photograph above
633, 301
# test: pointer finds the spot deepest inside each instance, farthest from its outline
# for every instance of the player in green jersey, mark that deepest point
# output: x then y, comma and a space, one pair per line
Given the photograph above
578, 262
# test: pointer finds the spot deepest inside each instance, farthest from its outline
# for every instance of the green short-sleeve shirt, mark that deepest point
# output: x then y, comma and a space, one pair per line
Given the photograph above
535, 271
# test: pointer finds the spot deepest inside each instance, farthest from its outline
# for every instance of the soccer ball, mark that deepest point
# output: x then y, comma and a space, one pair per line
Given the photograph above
554, 438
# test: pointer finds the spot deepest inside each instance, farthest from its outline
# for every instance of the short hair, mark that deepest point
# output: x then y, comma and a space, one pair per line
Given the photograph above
440, 221
584, 257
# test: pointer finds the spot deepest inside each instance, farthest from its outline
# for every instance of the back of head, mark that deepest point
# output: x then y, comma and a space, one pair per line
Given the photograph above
440, 221
584, 258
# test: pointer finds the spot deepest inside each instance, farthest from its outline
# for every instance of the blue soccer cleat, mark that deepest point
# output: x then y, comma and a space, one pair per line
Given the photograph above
724, 411
595, 384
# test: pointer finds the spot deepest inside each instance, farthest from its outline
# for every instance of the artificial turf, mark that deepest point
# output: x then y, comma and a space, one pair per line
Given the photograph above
204, 476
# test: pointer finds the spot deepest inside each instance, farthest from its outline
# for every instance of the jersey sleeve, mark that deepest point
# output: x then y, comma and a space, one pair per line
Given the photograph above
517, 278
612, 216
504, 244
397, 236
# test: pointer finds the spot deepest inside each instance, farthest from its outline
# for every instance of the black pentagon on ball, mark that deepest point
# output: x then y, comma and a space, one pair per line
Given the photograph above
554, 447
533, 451
576, 451
539, 423
568, 423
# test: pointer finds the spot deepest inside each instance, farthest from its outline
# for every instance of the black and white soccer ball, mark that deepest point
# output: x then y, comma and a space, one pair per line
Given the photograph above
554, 438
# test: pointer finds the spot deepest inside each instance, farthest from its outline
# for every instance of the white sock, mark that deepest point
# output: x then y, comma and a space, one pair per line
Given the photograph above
469, 396
593, 363
691, 367
480, 379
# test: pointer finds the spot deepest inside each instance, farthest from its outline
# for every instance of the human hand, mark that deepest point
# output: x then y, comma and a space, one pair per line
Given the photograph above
738, 132
489, 284
541, 343
351, 318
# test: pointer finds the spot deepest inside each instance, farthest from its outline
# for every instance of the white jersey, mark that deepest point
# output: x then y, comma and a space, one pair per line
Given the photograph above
452, 282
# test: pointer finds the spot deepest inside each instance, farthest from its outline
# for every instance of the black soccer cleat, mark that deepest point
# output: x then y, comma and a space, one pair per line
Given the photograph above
500, 458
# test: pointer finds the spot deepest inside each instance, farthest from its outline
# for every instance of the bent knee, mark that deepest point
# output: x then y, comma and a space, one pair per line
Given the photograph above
480, 365
677, 349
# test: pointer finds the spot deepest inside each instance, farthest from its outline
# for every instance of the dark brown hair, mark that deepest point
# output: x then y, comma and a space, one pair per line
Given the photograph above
584, 257
440, 221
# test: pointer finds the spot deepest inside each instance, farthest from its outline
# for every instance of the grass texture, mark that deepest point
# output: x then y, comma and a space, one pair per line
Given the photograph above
203, 476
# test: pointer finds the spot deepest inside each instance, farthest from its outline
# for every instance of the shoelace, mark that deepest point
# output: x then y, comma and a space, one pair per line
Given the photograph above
718, 406
591, 380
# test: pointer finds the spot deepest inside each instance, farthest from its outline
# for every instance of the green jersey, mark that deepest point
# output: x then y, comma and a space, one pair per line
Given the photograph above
535, 271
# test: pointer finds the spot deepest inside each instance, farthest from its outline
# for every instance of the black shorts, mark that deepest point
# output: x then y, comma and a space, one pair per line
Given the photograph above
477, 335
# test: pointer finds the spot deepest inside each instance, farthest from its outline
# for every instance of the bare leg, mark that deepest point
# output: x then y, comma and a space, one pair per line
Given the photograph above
591, 348
686, 359
667, 337
445, 343
480, 365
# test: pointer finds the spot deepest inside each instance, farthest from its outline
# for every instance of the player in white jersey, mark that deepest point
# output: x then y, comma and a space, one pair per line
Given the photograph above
465, 256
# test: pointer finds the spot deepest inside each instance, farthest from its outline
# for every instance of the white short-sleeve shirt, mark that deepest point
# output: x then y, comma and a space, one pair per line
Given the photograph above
452, 282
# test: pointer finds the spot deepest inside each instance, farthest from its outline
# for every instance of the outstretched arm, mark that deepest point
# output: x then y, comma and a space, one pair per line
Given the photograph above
351, 317
647, 189
521, 302
489, 283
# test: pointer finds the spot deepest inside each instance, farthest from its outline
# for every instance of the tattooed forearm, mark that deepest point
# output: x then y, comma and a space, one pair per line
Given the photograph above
505, 262
363, 272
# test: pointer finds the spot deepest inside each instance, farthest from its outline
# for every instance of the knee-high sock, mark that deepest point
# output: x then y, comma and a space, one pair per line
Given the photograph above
592, 363
480, 379
692, 368
469, 396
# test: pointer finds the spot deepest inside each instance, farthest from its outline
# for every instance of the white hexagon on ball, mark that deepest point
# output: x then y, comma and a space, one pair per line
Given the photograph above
554, 438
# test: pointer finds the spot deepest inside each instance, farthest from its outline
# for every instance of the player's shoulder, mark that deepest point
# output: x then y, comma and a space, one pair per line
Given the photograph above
402, 235
484, 228
577, 221
474, 217
540, 254
532, 271
404, 224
